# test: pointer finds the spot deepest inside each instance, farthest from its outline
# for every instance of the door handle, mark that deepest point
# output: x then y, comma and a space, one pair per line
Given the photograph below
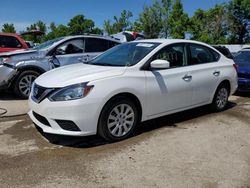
187, 78
216, 73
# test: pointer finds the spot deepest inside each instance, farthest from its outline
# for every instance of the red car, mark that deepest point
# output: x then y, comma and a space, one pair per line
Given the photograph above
10, 42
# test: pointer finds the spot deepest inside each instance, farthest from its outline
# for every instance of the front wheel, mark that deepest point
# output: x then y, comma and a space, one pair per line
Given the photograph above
22, 87
118, 119
220, 100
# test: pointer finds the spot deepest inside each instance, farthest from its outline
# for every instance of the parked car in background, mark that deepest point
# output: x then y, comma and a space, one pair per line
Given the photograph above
19, 69
224, 50
11, 42
242, 59
130, 83
127, 36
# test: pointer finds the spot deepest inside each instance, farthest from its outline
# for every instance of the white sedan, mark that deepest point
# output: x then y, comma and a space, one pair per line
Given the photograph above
131, 83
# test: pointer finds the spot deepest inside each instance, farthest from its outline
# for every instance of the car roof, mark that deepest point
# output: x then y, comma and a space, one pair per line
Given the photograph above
91, 36
9, 34
171, 41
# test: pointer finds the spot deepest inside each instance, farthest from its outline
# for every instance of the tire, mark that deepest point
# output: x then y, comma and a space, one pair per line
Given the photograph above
118, 119
220, 100
23, 83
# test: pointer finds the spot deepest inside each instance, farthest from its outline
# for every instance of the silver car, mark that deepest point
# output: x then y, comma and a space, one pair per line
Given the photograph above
19, 69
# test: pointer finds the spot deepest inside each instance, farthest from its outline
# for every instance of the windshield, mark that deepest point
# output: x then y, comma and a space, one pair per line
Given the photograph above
127, 54
47, 44
242, 57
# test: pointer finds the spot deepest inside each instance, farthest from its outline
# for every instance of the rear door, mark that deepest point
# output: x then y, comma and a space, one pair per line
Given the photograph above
205, 71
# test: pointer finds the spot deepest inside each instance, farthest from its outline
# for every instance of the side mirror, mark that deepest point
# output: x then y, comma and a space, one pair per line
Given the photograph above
159, 64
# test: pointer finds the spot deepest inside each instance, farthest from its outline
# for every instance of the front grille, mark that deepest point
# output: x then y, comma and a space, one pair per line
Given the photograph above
41, 119
244, 75
40, 93
67, 125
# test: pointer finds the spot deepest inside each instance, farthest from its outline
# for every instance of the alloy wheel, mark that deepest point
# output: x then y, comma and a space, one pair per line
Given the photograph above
25, 84
222, 97
121, 120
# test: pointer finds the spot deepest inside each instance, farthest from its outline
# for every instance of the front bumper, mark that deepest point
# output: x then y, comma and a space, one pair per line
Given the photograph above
83, 113
244, 84
6, 75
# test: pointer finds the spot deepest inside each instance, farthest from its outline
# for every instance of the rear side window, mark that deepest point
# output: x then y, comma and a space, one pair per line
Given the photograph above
9, 42
200, 54
112, 44
96, 45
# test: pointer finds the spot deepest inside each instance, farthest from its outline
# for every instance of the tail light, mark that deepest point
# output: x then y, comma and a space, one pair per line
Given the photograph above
236, 67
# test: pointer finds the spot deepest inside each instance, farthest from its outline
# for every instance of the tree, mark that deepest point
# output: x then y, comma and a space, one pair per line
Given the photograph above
150, 20
239, 21
210, 26
79, 25
40, 26
178, 21
56, 31
8, 28
120, 23
166, 7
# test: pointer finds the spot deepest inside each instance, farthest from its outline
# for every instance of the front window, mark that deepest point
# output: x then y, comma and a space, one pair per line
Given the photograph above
47, 44
125, 54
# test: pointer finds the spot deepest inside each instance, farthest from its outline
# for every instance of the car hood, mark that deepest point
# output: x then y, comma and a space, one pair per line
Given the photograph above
77, 73
22, 55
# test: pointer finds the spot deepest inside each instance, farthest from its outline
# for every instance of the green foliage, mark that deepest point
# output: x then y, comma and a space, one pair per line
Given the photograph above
40, 26
224, 23
151, 20
120, 23
210, 26
79, 25
178, 21
8, 28
239, 21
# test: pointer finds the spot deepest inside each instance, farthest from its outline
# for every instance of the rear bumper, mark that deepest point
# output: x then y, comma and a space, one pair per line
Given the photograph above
6, 75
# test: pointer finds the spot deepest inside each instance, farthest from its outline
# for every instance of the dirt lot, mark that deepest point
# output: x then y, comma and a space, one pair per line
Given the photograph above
190, 149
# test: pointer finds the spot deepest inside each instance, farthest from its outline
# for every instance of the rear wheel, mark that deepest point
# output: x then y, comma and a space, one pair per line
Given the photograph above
22, 87
118, 119
220, 100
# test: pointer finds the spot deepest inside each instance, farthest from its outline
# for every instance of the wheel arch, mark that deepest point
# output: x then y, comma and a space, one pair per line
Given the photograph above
130, 96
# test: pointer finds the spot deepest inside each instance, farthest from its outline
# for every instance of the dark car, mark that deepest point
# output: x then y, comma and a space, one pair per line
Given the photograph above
224, 50
242, 59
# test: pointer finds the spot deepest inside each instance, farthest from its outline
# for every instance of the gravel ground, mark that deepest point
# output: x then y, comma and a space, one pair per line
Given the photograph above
189, 149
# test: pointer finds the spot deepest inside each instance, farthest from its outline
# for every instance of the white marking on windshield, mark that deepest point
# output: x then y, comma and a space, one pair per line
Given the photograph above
146, 45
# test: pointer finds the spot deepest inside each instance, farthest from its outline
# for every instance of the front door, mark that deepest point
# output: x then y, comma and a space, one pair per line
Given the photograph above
70, 52
169, 89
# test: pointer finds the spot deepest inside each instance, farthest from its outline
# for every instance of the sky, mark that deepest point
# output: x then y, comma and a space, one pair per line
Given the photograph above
26, 12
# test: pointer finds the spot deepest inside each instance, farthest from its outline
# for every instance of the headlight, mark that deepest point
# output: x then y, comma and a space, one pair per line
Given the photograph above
73, 92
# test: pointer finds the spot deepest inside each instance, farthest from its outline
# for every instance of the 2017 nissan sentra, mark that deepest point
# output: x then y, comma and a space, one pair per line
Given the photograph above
131, 83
